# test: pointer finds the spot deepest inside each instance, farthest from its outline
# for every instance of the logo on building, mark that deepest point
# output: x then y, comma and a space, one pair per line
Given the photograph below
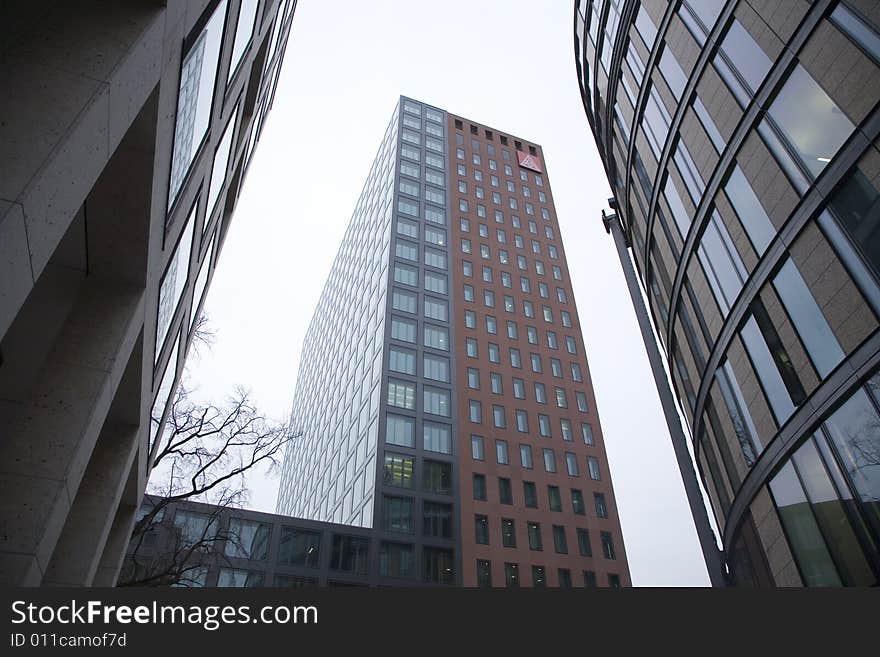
529, 161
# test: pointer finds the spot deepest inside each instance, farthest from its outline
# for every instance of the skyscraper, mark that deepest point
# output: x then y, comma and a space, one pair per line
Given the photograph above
126, 130
740, 140
443, 396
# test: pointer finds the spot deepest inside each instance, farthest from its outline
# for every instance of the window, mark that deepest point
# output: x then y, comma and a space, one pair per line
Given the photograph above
508, 533
501, 453
581, 399
528, 309
299, 547
398, 470
195, 97
481, 530
505, 492
811, 121
434, 258
437, 519
549, 460
509, 305
536, 363
406, 206
438, 565
406, 274
561, 400
396, 560
587, 433
494, 354
560, 543
435, 236
498, 417
436, 401
512, 331
436, 337
565, 426
476, 411
511, 575
495, 383
571, 464
398, 514
220, 165
593, 464
577, 502
551, 340
470, 319
484, 573
469, 293
400, 430
479, 487
530, 494
522, 421
477, 452
584, 547
525, 456
489, 298
473, 375
554, 498
436, 438
491, 325
487, 274
570, 344
402, 360
519, 389
601, 509
350, 554
247, 539
401, 394
471, 345
407, 228
607, 545
409, 187
436, 367
576, 373
534, 531
402, 300
174, 281
566, 319
436, 309
544, 425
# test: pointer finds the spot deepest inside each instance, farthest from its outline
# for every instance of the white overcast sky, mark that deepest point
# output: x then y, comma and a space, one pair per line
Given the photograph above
507, 64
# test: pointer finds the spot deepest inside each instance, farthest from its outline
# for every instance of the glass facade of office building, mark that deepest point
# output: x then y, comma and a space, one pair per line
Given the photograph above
740, 140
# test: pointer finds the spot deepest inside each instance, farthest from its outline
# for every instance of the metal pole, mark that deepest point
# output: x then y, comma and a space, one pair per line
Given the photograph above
711, 554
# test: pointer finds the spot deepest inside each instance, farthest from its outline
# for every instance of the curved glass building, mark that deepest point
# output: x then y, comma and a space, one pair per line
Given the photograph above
740, 141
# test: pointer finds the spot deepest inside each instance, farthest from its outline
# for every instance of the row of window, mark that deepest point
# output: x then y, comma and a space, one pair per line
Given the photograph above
539, 576
533, 529
480, 192
530, 495
506, 278
501, 234
499, 414
502, 457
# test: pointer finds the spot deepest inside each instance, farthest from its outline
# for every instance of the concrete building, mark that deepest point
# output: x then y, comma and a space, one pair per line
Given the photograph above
126, 130
443, 395
740, 141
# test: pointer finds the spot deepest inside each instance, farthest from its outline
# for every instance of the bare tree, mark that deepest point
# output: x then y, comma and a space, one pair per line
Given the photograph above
206, 454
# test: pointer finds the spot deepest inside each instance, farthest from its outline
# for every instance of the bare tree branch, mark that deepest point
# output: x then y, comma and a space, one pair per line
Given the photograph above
207, 451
